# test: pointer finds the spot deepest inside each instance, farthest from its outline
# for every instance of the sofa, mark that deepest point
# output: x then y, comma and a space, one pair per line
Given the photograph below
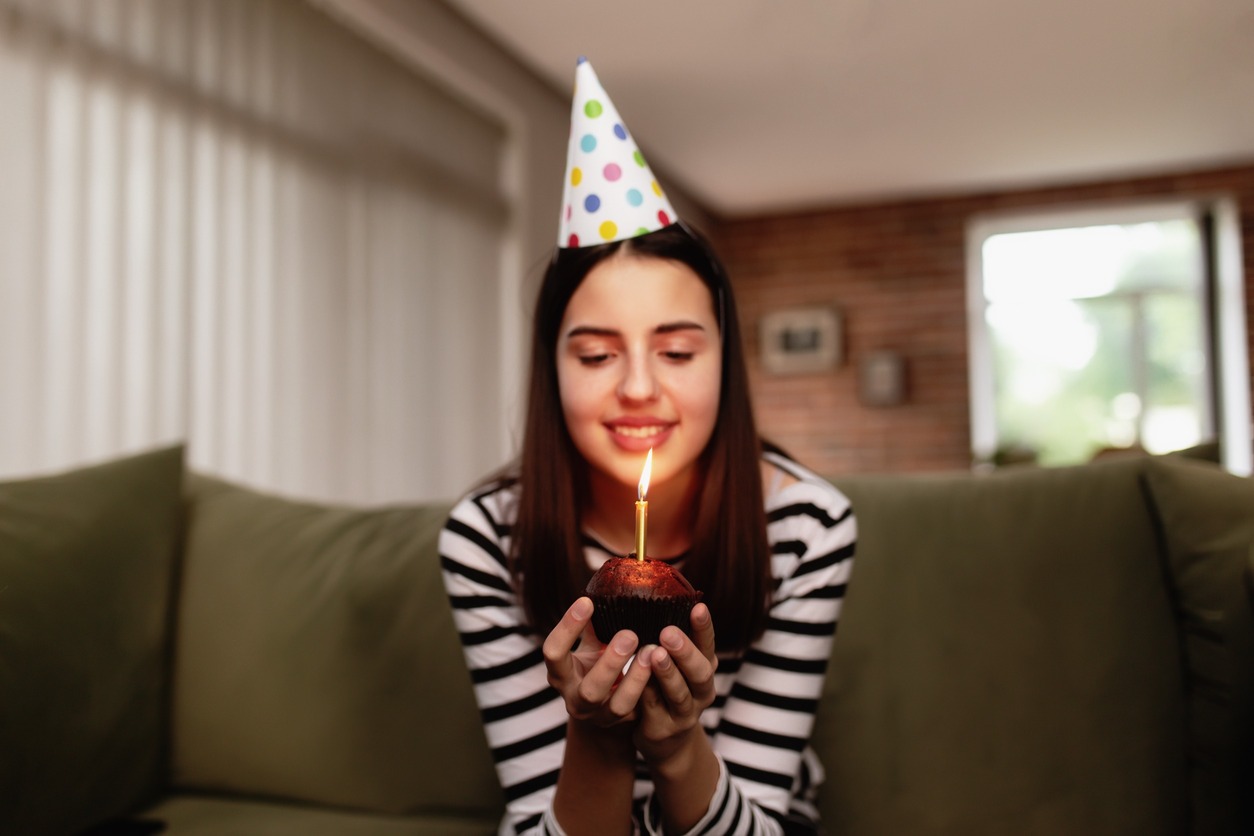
1027, 651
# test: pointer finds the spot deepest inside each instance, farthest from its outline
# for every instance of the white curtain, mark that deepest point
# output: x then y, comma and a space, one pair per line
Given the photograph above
235, 224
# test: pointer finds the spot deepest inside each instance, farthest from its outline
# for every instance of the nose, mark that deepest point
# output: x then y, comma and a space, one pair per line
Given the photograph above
639, 382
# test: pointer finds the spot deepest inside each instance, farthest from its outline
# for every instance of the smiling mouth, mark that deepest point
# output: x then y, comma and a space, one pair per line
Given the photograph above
640, 432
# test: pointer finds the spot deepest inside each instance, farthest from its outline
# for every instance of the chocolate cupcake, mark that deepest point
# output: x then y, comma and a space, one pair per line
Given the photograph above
639, 595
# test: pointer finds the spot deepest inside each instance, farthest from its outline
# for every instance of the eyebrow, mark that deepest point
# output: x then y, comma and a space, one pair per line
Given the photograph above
664, 328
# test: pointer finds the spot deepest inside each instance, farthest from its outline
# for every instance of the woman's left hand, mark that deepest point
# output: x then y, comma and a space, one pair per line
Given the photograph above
681, 687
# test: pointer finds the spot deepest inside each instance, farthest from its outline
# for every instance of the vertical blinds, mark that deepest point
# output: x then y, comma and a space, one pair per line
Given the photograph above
233, 223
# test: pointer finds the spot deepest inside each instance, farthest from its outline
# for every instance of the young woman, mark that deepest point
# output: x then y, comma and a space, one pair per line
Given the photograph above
636, 346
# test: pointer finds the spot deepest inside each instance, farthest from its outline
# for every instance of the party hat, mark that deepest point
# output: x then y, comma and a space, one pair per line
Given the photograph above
610, 192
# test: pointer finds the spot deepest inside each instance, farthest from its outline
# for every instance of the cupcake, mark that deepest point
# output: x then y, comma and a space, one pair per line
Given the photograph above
639, 595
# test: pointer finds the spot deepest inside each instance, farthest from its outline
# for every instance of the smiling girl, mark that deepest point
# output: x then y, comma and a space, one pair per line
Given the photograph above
636, 347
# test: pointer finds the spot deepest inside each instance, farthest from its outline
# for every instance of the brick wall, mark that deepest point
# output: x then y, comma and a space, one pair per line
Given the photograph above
897, 271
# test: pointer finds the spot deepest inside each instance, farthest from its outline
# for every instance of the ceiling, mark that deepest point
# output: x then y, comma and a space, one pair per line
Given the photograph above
761, 106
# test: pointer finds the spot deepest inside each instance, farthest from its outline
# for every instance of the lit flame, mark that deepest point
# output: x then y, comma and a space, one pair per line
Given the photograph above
642, 489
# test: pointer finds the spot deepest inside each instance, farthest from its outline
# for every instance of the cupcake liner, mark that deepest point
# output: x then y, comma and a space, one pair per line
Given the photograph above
644, 616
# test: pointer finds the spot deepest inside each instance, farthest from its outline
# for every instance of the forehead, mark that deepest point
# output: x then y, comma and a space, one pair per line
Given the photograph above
630, 288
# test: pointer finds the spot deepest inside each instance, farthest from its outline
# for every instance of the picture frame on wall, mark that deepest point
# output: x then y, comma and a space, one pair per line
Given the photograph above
882, 379
802, 340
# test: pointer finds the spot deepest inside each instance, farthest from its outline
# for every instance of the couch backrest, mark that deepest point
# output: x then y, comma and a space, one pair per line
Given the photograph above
1008, 660
87, 563
316, 659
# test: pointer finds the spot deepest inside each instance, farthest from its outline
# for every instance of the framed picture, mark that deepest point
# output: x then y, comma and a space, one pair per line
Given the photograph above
882, 379
800, 340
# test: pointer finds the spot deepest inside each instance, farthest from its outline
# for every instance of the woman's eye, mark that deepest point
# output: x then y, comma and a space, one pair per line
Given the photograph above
678, 356
593, 359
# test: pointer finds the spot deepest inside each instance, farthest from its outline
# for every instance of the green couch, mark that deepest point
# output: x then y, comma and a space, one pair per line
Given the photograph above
1065, 651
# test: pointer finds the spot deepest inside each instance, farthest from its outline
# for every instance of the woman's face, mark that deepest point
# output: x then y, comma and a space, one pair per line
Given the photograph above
638, 366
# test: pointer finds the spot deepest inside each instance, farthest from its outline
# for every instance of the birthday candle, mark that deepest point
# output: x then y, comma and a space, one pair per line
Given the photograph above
642, 505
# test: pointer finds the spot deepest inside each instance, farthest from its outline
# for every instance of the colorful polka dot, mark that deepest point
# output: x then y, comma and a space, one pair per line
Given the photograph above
612, 195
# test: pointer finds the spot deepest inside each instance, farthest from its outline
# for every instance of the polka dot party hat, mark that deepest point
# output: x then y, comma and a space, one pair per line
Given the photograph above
610, 192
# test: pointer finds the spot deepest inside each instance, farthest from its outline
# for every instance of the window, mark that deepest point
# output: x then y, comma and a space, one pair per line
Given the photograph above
1105, 330
241, 226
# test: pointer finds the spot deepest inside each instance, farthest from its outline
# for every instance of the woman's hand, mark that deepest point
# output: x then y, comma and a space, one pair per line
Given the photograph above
682, 687
591, 678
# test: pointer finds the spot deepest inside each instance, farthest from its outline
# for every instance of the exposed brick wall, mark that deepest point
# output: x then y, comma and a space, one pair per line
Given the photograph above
897, 272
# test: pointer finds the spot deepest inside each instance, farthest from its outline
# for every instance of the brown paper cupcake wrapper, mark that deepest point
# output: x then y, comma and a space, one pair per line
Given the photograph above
644, 616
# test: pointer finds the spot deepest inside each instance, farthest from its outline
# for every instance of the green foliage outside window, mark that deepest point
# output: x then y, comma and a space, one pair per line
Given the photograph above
1098, 339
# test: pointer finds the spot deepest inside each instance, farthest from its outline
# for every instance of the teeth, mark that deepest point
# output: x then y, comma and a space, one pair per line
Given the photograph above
638, 432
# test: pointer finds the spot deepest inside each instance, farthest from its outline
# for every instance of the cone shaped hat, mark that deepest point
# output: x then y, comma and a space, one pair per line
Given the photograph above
610, 192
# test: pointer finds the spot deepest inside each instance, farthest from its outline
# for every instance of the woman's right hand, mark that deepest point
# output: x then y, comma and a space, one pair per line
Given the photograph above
591, 678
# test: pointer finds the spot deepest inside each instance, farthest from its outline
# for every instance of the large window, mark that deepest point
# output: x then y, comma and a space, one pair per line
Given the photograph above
1100, 331
239, 225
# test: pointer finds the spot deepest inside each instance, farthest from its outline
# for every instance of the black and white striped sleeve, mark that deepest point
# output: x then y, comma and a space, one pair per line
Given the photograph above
523, 717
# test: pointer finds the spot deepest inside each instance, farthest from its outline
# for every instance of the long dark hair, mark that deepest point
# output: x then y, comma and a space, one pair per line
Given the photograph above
729, 559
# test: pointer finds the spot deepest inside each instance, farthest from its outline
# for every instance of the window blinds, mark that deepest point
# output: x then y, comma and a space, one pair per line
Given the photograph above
235, 224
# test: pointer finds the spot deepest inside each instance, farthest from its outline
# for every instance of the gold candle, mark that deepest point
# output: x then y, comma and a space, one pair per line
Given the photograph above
642, 505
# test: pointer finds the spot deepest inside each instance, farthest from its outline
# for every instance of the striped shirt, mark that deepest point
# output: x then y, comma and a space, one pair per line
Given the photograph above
760, 722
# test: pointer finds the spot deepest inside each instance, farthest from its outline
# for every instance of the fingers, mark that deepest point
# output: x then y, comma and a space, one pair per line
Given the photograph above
703, 632
595, 680
600, 680
610, 690
625, 695
560, 641
672, 687
695, 657
691, 677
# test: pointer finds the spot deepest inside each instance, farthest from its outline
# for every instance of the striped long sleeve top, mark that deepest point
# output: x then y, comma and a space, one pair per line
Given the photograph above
760, 722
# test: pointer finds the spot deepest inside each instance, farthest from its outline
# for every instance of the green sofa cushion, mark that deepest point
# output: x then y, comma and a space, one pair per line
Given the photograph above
1006, 661
1207, 519
317, 659
195, 815
86, 566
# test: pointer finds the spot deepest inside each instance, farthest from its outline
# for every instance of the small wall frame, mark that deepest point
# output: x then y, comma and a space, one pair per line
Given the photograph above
882, 379
800, 340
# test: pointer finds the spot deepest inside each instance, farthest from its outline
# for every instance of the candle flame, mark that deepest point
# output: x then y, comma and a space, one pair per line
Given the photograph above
642, 490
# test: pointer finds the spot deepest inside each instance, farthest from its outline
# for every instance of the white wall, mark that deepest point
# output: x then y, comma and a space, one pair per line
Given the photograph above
450, 52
